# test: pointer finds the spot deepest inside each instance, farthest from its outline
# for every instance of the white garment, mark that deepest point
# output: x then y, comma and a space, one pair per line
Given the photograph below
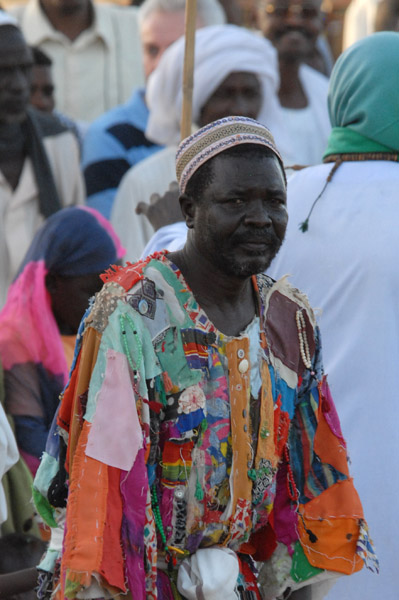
209, 574
308, 128
219, 51
359, 21
97, 70
170, 237
347, 263
19, 209
150, 176
8, 457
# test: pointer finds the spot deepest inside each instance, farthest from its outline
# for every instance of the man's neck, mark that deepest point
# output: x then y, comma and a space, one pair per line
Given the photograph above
291, 93
70, 24
229, 302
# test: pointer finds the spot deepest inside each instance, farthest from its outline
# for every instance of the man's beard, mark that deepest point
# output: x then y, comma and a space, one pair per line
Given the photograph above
257, 261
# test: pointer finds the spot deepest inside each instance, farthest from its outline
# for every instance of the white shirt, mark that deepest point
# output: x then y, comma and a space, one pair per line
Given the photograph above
150, 176
308, 129
347, 263
19, 209
307, 141
97, 70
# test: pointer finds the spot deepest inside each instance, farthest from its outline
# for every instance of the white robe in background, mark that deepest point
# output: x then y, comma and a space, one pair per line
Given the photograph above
150, 176
347, 263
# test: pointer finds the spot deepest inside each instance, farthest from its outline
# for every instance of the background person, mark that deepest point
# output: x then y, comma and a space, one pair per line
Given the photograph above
235, 72
95, 49
40, 319
39, 157
294, 28
347, 264
116, 141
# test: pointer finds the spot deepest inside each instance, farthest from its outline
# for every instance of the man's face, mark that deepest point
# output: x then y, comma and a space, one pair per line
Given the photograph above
291, 25
158, 31
15, 71
65, 7
239, 94
240, 222
42, 88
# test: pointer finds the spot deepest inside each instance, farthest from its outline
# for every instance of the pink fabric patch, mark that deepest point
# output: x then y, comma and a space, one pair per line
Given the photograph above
115, 436
285, 516
330, 412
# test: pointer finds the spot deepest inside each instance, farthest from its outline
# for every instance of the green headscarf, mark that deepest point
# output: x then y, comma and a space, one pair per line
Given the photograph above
363, 98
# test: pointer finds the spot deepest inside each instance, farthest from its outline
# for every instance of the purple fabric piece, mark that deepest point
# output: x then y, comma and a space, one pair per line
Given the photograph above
330, 412
166, 507
163, 587
285, 517
134, 485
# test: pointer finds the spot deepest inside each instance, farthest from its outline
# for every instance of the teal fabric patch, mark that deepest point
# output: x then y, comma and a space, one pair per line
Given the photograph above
170, 353
142, 353
45, 474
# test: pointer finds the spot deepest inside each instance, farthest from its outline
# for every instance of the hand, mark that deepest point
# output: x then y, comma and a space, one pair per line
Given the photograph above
162, 210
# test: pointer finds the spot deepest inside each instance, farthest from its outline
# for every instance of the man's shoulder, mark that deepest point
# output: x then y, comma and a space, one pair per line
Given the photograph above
119, 284
152, 169
48, 125
316, 83
123, 114
281, 296
121, 17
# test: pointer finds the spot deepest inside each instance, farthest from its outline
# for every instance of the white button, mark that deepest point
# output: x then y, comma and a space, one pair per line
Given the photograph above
143, 306
179, 493
243, 366
240, 353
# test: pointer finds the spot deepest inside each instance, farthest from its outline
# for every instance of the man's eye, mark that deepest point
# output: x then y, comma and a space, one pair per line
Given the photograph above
152, 50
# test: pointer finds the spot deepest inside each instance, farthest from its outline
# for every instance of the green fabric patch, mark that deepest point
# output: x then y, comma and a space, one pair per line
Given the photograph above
301, 569
44, 508
71, 588
344, 140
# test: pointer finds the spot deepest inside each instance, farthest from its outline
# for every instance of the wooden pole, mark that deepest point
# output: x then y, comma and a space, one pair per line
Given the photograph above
188, 69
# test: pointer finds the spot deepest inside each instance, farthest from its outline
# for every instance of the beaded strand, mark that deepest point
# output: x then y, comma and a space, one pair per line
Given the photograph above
303, 342
170, 551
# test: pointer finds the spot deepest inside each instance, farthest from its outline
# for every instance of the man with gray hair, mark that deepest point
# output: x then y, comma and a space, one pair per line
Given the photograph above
116, 141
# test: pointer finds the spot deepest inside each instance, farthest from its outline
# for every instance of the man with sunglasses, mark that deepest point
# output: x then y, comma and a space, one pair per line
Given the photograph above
294, 27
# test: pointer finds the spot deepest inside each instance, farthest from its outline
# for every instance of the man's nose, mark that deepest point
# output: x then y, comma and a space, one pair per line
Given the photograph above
242, 106
257, 214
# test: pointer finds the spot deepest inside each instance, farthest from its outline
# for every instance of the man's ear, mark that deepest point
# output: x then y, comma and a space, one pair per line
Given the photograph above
188, 207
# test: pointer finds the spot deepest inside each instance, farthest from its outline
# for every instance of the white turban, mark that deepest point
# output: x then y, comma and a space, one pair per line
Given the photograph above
219, 51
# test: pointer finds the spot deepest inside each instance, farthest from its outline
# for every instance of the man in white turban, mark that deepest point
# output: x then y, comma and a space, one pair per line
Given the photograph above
235, 72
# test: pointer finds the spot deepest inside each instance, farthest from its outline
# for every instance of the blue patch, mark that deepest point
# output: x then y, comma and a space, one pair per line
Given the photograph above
188, 422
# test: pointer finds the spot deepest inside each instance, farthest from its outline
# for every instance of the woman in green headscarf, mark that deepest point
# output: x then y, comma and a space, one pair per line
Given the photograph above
363, 98
347, 262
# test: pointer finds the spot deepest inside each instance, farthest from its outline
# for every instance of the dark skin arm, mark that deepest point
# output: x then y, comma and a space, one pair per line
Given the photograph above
17, 582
